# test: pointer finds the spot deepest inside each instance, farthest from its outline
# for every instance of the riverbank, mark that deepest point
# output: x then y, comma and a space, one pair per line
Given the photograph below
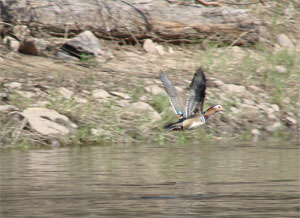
117, 97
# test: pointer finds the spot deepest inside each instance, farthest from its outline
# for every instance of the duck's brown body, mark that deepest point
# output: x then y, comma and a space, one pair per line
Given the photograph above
194, 121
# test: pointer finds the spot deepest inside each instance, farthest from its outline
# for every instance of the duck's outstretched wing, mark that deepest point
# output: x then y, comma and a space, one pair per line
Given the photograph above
172, 93
196, 97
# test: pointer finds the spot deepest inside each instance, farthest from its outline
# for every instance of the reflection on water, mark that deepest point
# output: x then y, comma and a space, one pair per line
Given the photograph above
203, 180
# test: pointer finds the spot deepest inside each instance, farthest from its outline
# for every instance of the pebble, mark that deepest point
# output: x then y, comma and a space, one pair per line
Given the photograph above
13, 85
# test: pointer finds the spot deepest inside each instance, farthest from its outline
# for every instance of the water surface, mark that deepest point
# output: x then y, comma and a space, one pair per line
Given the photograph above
201, 180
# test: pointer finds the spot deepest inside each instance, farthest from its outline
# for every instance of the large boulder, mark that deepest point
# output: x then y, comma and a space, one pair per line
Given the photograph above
86, 43
48, 122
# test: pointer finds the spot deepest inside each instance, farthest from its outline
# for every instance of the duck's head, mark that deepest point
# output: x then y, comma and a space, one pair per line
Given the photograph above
218, 108
212, 110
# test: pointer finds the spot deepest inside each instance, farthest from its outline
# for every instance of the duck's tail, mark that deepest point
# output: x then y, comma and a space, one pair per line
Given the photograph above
173, 126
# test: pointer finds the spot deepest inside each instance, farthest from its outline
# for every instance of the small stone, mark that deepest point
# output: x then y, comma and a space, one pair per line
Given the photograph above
123, 103
273, 127
80, 100
121, 95
26, 94
212, 82
249, 112
65, 56
280, 69
13, 85
33, 46
21, 32
266, 108
100, 93
160, 49
143, 98
255, 132
284, 41
153, 48
253, 88
275, 107
66, 93
149, 46
291, 120
237, 51
8, 108
248, 101
12, 43
232, 88
234, 110
154, 90
271, 116
171, 50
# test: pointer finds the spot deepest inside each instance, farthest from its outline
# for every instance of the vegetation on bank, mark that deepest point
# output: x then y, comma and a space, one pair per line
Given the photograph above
274, 70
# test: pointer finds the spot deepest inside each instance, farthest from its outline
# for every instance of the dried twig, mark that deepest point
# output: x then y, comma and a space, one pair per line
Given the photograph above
248, 3
218, 3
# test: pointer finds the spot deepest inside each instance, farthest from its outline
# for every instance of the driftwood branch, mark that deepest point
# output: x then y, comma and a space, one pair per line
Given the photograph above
132, 20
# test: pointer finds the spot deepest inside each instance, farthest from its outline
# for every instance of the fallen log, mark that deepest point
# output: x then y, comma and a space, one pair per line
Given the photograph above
132, 20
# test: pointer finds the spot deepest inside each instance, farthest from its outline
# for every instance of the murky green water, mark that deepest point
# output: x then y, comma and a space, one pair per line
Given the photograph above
202, 180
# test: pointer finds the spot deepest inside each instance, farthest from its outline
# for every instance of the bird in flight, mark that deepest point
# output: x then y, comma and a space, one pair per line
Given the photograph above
193, 116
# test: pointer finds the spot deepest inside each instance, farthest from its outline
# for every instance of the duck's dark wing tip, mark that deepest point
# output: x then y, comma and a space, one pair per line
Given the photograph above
197, 93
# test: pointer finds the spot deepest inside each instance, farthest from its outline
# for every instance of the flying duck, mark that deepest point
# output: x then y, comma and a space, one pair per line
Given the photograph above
193, 116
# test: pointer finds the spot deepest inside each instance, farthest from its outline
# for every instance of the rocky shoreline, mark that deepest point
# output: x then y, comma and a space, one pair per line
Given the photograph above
110, 93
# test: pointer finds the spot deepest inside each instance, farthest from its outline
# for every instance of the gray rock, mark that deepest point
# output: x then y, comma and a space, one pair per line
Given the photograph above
12, 43
84, 43
154, 90
65, 56
249, 112
123, 103
21, 32
153, 48
66, 93
26, 94
171, 50
291, 120
248, 101
33, 46
80, 100
142, 107
275, 107
234, 110
273, 127
255, 132
121, 95
48, 122
8, 108
253, 88
234, 89
284, 41
13, 85
212, 82
280, 69
100, 93
271, 116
